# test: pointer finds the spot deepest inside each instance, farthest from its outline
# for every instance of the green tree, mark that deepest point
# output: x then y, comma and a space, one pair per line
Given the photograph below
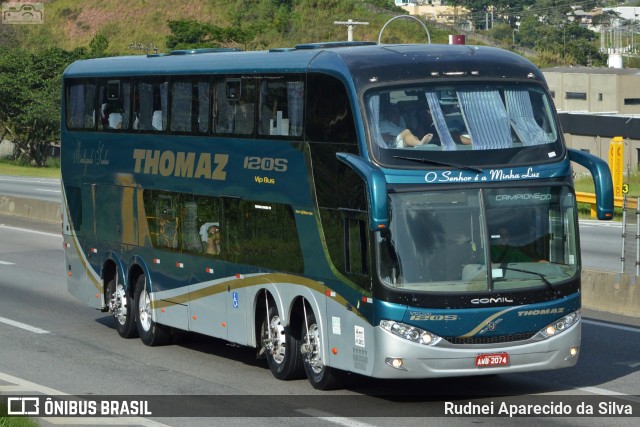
8, 37
98, 45
30, 99
189, 34
503, 33
571, 42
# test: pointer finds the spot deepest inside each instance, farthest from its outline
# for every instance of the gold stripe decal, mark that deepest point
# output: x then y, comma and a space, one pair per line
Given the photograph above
487, 321
246, 282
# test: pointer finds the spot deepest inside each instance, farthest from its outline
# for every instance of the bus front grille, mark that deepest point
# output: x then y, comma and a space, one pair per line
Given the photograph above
496, 339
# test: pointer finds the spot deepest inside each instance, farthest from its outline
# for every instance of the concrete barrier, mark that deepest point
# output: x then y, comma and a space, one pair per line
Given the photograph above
37, 210
611, 292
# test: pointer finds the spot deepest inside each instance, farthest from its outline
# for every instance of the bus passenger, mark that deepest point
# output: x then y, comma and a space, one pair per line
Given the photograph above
394, 129
211, 236
460, 138
112, 116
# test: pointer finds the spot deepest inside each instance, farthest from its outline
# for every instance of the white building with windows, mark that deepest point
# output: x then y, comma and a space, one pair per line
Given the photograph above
596, 104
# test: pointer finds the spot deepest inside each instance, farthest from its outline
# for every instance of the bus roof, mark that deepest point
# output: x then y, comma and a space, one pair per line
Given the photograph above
364, 62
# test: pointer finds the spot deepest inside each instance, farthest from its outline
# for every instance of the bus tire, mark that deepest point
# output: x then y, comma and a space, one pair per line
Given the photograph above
151, 333
121, 307
320, 376
282, 350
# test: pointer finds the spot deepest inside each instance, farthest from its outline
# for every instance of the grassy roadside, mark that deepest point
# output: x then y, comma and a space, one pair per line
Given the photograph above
585, 184
9, 167
17, 422
7, 421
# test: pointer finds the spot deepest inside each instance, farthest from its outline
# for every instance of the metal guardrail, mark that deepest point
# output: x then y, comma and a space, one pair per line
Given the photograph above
590, 198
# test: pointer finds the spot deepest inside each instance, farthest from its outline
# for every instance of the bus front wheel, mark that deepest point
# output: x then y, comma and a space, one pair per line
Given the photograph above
321, 376
281, 348
121, 307
151, 333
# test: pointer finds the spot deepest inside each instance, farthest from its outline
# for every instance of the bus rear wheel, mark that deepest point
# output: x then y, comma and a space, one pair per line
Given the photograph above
151, 333
321, 376
281, 348
121, 307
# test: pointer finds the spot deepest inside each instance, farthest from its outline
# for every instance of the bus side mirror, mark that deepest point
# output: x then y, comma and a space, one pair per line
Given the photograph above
601, 178
376, 189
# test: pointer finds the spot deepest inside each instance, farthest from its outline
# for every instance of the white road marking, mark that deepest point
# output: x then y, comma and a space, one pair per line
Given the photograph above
31, 181
50, 191
608, 325
23, 326
596, 223
326, 416
629, 364
600, 391
6, 263
26, 230
29, 387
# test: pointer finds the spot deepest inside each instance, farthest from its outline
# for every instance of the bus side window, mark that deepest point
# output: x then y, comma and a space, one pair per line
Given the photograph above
281, 108
181, 104
150, 105
202, 104
190, 105
328, 117
161, 209
355, 236
234, 106
80, 108
115, 107
201, 231
255, 231
167, 221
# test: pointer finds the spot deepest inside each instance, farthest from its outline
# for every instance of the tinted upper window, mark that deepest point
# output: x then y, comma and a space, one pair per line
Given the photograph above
509, 123
80, 106
150, 104
328, 117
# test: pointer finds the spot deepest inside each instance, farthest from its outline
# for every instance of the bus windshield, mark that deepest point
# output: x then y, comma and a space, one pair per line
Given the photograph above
477, 240
511, 123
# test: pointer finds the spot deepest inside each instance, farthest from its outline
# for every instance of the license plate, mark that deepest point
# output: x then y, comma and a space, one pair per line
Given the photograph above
489, 360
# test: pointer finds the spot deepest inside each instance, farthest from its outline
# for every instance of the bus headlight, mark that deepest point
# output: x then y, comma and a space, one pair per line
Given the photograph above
409, 332
561, 324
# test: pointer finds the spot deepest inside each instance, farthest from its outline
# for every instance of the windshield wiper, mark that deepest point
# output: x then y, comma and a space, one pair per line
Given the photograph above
540, 275
437, 163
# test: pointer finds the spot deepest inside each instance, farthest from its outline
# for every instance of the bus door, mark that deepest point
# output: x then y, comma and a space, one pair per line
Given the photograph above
75, 226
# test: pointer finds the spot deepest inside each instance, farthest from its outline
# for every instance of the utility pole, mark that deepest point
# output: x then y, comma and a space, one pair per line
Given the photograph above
350, 26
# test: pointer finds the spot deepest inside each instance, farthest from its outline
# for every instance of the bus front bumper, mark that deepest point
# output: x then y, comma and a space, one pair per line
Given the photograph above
400, 358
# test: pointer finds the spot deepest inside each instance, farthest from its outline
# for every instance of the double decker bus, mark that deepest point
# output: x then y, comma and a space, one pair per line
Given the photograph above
395, 211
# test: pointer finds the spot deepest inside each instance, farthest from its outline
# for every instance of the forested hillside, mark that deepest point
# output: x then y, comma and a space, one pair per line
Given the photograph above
33, 57
248, 24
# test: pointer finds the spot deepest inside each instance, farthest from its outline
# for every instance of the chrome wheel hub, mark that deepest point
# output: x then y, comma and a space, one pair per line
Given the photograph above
144, 310
118, 305
274, 340
312, 349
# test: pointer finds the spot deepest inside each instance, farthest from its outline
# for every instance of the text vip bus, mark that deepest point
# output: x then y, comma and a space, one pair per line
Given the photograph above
266, 198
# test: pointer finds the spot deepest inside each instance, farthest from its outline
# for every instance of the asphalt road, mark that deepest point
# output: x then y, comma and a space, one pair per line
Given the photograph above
601, 245
50, 342
31, 188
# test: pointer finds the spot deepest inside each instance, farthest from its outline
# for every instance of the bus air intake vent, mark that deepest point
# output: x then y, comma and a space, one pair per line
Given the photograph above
496, 339
204, 50
328, 45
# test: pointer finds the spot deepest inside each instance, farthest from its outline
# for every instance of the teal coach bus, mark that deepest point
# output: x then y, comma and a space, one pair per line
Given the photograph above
395, 211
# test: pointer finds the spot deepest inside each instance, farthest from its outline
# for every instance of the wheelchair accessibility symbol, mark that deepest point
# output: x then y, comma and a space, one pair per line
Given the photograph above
234, 295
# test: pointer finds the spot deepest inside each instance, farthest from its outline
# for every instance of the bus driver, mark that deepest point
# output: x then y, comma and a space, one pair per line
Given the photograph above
394, 129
